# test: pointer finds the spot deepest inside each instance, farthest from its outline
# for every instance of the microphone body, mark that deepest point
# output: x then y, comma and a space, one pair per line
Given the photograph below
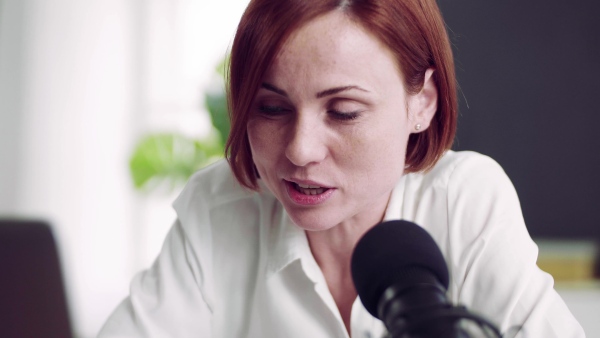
401, 277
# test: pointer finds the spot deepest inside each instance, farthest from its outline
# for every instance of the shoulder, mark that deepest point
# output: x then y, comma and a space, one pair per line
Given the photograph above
474, 214
461, 166
458, 174
214, 192
213, 185
215, 210
470, 183
466, 197
223, 227
472, 179
215, 207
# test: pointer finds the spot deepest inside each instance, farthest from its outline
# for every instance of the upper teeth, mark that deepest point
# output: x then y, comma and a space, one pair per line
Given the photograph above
306, 186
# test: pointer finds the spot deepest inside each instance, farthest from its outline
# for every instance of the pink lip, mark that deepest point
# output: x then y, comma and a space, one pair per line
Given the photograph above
302, 199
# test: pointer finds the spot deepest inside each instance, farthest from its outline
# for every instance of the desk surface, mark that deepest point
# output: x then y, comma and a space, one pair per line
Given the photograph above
583, 299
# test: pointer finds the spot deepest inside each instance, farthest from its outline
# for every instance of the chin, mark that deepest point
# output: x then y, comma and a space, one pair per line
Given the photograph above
311, 221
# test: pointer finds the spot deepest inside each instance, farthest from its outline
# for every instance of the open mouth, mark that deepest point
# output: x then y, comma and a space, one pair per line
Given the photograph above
308, 194
307, 189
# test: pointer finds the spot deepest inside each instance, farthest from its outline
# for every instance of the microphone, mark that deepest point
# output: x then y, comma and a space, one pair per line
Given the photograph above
401, 278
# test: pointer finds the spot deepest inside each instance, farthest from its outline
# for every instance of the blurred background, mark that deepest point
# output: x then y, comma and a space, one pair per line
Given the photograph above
106, 108
81, 84
528, 74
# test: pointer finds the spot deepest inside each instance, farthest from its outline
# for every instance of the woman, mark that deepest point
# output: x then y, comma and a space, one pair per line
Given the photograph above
342, 114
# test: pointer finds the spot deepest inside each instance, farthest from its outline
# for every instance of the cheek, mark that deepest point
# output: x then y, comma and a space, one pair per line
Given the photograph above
379, 152
385, 138
263, 142
256, 142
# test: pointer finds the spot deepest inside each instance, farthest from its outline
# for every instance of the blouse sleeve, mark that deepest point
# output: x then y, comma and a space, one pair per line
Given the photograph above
166, 300
493, 258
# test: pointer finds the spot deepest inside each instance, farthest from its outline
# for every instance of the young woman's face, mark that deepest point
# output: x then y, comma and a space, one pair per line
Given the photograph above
329, 126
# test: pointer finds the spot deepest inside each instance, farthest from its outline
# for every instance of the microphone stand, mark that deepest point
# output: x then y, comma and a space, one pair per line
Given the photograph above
433, 316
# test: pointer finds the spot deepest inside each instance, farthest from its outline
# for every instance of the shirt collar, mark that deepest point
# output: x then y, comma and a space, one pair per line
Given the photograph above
287, 243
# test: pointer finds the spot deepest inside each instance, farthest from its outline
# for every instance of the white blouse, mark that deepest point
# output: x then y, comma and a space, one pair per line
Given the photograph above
234, 265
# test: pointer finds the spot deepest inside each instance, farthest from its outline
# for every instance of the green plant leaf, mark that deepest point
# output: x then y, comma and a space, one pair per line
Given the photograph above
221, 68
171, 157
216, 104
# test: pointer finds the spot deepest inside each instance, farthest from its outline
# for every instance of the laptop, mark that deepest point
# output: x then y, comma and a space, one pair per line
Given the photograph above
32, 293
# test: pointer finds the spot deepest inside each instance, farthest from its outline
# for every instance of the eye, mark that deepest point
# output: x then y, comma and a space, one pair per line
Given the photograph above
272, 110
343, 116
345, 109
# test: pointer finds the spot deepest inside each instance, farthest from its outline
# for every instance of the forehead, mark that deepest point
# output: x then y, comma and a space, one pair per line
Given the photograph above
333, 29
333, 42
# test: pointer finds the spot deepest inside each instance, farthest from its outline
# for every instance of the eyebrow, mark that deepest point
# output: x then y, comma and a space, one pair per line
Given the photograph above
321, 94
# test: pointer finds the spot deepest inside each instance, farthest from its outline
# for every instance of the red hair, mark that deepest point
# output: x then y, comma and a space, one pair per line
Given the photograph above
412, 29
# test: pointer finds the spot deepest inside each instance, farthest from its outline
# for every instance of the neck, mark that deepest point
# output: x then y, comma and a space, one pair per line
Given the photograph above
333, 255
332, 250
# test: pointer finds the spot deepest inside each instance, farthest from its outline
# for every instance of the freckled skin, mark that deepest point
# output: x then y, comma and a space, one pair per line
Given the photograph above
362, 158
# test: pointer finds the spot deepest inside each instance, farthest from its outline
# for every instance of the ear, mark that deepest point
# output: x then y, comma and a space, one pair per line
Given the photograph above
423, 105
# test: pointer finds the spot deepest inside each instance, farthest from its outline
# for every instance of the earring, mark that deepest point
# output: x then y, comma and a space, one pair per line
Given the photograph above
418, 127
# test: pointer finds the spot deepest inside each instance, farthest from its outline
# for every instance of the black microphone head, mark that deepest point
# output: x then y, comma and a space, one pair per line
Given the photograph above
395, 253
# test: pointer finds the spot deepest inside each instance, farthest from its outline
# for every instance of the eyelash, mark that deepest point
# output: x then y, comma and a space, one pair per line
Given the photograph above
336, 114
344, 116
272, 110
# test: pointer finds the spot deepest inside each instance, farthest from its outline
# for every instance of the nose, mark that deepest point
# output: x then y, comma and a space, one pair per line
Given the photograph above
306, 142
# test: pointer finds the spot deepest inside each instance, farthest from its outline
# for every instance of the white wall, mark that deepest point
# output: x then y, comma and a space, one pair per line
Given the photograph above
76, 132
80, 81
11, 67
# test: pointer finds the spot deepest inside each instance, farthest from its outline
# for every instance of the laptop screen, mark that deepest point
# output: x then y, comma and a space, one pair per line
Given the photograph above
32, 295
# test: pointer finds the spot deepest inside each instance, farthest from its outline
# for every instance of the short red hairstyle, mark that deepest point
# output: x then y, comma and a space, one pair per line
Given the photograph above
412, 29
